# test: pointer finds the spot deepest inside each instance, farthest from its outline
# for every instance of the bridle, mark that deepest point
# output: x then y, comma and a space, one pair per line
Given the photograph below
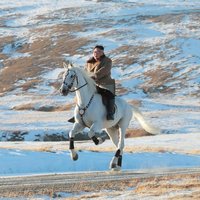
71, 84
82, 110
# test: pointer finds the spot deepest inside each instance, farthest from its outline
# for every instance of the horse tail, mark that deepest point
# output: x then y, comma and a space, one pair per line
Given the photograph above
145, 125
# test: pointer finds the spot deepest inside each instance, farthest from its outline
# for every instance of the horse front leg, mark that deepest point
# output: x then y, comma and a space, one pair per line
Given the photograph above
76, 129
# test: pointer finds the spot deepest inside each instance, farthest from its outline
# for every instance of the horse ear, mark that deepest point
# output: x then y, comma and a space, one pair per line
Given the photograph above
70, 65
65, 65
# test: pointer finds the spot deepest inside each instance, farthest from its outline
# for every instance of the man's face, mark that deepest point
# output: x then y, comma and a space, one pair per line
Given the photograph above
97, 53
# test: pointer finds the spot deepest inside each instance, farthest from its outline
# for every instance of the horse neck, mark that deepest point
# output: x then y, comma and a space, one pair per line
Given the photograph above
83, 94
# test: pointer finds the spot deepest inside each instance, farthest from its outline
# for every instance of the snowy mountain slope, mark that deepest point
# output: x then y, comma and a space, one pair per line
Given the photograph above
154, 47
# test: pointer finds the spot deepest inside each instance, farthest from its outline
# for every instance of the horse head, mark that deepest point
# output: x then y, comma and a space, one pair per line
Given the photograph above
69, 78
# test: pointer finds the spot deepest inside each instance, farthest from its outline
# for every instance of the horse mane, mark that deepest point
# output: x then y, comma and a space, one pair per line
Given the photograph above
88, 79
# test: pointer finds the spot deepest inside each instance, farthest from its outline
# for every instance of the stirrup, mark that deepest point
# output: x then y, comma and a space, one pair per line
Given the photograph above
71, 120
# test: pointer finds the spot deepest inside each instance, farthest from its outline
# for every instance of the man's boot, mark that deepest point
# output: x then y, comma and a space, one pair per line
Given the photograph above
110, 109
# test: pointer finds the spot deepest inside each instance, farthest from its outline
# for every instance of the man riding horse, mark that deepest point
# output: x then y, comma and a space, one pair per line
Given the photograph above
90, 111
99, 68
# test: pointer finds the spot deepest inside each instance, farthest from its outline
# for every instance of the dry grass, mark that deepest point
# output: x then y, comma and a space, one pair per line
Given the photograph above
46, 108
43, 57
52, 42
130, 133
170, 187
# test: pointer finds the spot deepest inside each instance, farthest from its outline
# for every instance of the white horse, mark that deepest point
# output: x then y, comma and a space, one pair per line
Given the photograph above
90, 112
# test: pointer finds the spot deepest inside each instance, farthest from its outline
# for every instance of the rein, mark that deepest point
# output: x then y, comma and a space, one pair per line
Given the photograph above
78, 88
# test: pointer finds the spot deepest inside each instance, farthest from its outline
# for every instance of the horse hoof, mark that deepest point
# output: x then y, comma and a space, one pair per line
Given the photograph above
113, 166
116, 169
74, 157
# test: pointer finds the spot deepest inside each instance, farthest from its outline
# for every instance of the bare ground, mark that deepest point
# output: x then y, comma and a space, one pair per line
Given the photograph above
153, 184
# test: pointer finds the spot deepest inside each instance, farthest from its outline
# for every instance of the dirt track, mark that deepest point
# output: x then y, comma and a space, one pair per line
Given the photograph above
137, 184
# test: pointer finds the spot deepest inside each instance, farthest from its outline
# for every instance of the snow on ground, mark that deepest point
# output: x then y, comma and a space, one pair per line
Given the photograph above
178, 143
162, 151
17, 162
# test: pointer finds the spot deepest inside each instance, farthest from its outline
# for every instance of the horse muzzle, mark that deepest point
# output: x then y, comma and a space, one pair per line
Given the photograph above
64, 91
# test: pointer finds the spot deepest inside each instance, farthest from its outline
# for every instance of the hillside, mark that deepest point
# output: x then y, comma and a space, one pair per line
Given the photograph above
155, 52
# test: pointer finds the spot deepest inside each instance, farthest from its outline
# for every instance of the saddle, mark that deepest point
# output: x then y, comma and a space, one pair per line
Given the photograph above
108, 100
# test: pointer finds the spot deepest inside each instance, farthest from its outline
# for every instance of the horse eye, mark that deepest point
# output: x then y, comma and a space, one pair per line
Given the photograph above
71, 76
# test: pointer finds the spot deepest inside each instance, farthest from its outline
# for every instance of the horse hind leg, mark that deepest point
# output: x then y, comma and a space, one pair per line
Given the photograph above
116, 161
114, 135
118, 136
